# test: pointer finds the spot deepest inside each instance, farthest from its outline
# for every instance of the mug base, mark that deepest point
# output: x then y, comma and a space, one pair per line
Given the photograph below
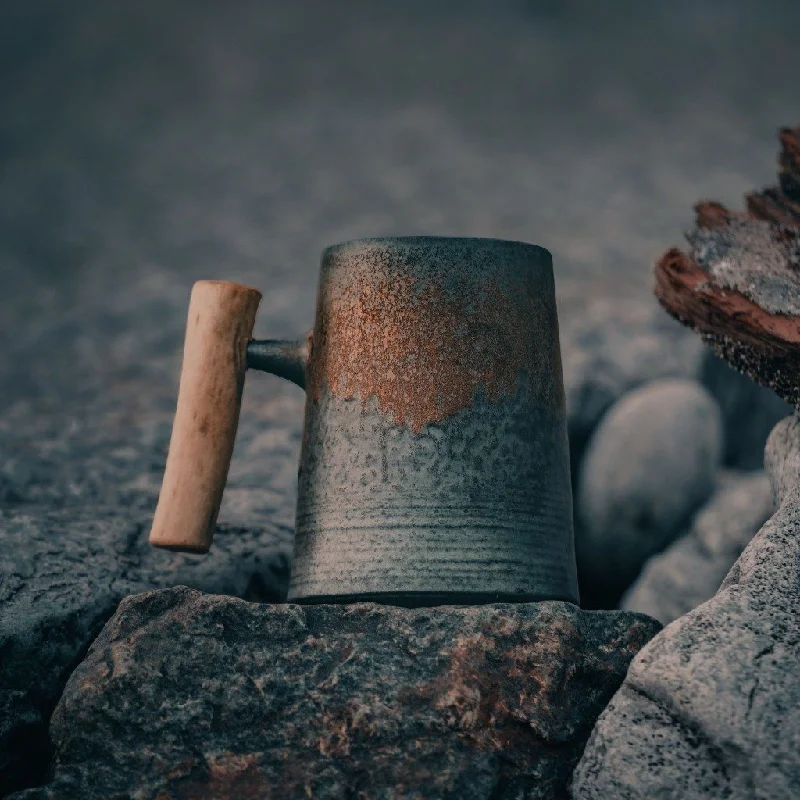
427, 599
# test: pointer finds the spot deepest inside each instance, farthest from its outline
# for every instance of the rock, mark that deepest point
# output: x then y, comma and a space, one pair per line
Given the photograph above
62, 575
691, 570
709, 707
749, 412
611, 345
782, 459
650, 464
191, 695
79, 478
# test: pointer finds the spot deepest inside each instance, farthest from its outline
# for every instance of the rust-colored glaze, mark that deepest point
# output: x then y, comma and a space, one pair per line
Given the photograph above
424, 354
688, 293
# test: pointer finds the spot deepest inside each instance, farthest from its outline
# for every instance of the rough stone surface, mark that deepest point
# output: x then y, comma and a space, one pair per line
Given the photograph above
691, 570
63, 573
710, 707
651, 463
74, 543
191, 695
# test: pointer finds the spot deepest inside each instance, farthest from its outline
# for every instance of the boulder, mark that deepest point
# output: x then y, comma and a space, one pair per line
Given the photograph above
190, 695
710, 707
691, 570
651, 463
74, 543
63, 574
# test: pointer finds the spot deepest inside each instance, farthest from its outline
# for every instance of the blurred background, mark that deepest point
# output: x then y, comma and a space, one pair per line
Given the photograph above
146, 145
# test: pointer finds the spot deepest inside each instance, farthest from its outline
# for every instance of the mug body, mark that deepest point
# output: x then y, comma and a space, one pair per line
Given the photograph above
435, 464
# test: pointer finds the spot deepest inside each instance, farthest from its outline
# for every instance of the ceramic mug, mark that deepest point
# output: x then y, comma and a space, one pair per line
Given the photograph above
434, 464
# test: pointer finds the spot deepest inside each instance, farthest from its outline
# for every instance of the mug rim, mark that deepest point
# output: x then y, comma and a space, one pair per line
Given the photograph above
411, 240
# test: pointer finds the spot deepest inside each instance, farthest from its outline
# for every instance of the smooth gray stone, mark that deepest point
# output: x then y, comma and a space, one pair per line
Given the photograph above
710, 707
651, 463
611, 345
190, 695
691, 570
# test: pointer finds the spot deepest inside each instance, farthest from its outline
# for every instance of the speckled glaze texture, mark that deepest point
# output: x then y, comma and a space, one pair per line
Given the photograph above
434, 464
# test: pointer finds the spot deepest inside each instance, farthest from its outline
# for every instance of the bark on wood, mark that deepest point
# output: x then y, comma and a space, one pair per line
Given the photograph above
739, 285
220, 323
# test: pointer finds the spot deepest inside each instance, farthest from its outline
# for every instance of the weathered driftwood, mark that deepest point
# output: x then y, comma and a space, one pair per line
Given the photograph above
739, 285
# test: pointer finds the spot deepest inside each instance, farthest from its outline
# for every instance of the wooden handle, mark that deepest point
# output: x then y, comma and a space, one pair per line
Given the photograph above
219, 326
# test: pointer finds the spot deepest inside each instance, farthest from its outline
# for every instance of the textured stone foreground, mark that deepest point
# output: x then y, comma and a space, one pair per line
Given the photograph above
711, 707
189, 695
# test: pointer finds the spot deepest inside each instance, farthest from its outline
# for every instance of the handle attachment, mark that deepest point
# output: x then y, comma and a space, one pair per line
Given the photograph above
286, 359
217, 352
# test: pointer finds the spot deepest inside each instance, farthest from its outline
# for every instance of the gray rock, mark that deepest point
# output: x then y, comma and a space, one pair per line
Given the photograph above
691, 570
611, 345
782, 460
749, 411
650, 464
80, 469
62, 575
710, 707
191, 695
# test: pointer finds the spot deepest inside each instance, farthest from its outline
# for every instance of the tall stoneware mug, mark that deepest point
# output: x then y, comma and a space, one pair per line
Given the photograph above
434, 465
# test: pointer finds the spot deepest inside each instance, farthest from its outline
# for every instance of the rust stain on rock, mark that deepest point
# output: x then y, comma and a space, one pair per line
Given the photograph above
423, 353
228, 776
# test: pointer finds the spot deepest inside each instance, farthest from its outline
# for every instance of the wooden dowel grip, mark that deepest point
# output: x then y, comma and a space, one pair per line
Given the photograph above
219, 326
